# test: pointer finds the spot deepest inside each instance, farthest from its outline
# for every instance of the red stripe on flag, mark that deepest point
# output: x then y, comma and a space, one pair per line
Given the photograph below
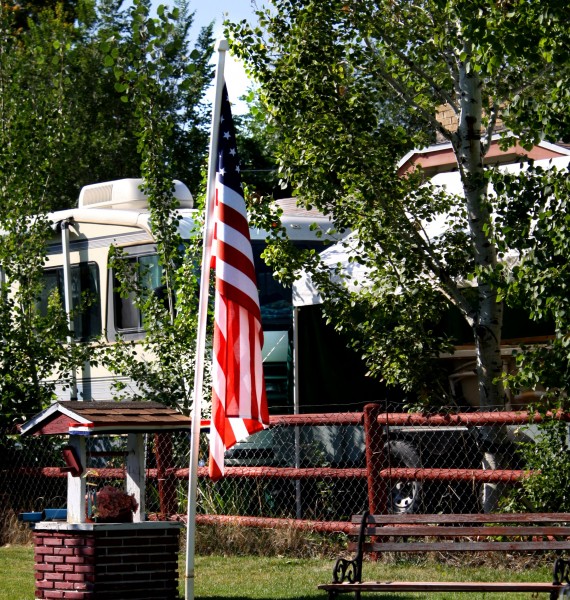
229, 216
232, 361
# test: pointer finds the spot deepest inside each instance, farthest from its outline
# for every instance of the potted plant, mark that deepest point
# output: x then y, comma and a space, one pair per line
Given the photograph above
111, 505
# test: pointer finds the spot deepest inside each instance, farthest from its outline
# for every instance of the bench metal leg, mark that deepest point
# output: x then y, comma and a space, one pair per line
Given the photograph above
560, 575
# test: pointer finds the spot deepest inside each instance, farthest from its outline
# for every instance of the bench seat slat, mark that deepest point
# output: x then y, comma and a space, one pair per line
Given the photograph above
465, 546
442, 586
442, 531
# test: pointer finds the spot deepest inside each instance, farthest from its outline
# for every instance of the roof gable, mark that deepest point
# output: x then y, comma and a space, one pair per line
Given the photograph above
440, 158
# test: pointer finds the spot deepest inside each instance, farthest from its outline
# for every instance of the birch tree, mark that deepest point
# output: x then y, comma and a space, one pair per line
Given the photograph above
351, 84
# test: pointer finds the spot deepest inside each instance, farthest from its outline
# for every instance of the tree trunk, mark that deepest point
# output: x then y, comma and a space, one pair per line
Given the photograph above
488, 323
487, 328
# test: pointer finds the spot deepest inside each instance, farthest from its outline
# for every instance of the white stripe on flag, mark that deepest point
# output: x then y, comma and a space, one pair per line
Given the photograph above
239, 429
232, 237
235, 277
230, 198
245, 363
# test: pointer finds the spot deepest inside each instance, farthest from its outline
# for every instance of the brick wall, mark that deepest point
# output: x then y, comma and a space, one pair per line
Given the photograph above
118, 562
447, 117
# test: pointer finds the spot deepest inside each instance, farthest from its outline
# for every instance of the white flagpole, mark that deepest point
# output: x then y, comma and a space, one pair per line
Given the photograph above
222, 47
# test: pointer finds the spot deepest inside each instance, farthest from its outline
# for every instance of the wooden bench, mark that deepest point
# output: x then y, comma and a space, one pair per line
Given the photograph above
546, 532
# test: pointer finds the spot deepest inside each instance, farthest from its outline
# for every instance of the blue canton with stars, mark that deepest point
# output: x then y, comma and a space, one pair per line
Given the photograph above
228, 168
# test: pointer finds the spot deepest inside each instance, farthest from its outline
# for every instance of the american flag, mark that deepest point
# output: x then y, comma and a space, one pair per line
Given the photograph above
239, 403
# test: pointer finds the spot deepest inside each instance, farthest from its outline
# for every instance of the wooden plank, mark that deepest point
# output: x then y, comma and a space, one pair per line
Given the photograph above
441, 586
135, 473
490, 531
76, 486
465, 546
467, 518
447, 474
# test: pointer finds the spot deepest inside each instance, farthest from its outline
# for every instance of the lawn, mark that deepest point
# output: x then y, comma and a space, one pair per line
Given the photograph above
16, 573
234, 577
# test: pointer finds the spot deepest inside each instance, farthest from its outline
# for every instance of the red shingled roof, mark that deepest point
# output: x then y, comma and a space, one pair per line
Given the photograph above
89, 418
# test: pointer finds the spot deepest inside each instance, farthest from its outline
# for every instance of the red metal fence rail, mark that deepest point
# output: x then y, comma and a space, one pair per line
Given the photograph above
311, 493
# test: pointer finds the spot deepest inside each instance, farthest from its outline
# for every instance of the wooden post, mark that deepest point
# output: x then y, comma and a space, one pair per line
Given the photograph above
136, 473
76, 488
375, 460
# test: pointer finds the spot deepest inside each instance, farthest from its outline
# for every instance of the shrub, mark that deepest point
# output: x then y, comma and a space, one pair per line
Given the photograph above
547, 455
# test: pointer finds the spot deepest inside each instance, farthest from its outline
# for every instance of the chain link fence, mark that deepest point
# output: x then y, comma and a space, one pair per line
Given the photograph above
317, 468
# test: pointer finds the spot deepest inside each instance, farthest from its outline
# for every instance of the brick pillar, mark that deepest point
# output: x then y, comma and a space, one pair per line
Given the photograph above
112, 561
64, 564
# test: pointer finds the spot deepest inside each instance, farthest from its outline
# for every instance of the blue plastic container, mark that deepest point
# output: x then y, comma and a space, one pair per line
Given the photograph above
31, 517
55, 514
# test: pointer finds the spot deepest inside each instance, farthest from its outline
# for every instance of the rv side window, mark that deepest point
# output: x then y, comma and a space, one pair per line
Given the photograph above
518, 327
128, 317
86, 303
275, 299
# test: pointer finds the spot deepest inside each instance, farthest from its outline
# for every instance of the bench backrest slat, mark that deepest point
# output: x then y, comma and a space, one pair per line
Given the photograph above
464, 546
490, 531
466, 518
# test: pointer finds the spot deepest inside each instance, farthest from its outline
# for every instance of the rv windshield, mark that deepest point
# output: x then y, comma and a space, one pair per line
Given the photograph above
275, 299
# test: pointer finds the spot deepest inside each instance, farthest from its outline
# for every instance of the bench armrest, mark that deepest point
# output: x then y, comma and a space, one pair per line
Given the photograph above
350, 570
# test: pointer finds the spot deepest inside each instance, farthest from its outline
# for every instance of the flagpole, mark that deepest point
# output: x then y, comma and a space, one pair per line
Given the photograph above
222, 47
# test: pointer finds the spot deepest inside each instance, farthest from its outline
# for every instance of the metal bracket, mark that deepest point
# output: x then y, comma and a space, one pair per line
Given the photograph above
561, 576
350, 570
561, 572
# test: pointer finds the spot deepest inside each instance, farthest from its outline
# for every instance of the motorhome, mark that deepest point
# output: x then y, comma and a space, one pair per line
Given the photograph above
116, 214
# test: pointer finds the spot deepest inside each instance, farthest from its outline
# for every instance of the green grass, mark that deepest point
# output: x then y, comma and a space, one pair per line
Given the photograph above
218, 578
221, 577
16, 573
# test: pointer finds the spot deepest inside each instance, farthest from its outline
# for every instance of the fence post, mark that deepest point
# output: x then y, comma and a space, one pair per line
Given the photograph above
375, 460
166, 479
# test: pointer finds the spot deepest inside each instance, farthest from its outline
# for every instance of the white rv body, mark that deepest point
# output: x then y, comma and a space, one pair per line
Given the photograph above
116, 214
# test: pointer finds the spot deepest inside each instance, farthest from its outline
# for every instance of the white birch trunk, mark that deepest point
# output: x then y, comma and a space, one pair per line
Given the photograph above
487, 328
